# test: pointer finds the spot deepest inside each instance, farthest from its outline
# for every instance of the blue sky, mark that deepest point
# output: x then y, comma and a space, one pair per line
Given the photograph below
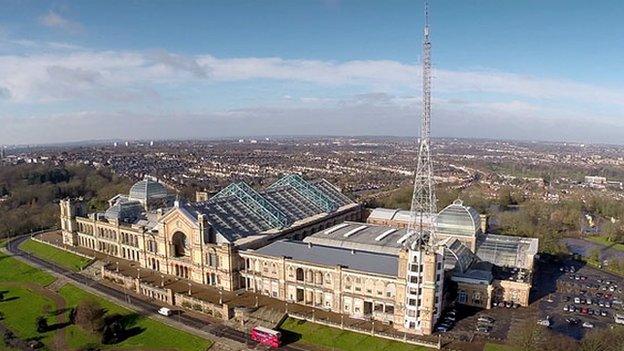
547, 70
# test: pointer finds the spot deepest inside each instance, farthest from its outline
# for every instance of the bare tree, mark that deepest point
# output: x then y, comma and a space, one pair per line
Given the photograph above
89, 315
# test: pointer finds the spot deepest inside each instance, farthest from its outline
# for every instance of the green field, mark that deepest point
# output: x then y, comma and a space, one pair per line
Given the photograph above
24, 303
49, 253
604, 241
155, 335
21, 309
13, 270
333, 338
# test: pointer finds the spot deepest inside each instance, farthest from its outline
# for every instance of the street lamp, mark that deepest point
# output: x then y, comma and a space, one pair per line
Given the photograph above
162, 280
138, 273
189, 292
221, 295
117, 266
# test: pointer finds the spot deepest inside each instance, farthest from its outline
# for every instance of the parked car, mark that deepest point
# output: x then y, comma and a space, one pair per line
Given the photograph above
588, 325
483, 329
577, 300
545, 322
442, 328
486, 319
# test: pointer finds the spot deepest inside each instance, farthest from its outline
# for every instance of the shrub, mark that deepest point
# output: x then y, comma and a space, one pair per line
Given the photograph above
42, 324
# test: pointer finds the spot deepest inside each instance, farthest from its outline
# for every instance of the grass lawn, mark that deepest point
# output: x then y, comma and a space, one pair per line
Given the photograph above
497, 347
321, 335
21, 309
603, 241
12, 270
155, 335
52, 254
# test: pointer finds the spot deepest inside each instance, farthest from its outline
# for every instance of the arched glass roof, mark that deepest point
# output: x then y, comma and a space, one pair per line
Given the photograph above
458, 220
147, 189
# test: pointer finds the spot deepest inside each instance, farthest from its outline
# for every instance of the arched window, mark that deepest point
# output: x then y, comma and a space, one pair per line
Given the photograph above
309, 276
318, 278
300, 274
180, 247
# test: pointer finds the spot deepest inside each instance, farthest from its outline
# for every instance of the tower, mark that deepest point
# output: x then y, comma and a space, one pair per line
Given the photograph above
425, 272
69, 210
423, 198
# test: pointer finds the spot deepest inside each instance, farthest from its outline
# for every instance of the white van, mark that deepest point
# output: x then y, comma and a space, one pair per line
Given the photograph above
165, 311
619, 319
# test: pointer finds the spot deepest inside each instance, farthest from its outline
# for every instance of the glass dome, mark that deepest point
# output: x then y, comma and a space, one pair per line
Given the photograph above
146, 190
458, 220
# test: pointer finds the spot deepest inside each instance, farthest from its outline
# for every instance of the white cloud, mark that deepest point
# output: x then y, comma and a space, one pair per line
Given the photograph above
385, 97
53, 19
29, 79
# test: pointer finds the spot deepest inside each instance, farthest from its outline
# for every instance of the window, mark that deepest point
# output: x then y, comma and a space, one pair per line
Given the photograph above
300, 274
461, 297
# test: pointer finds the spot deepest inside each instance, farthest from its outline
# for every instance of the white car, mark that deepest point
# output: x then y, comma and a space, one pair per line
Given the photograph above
165, 311
577, 300
544, 322
588, 325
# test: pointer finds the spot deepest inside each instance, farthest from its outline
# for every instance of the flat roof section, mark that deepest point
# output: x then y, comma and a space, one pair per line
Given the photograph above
360, 236
332, 256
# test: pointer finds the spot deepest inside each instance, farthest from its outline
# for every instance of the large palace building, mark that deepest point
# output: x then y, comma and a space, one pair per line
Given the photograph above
301, 241
200, 241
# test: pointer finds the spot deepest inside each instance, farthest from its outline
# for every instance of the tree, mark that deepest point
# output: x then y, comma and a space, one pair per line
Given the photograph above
603, 340
594, 254
112, 332
528, 335
89, 315
42, 324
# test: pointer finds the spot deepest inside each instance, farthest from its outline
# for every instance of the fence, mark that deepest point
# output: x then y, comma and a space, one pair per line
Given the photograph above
409, 339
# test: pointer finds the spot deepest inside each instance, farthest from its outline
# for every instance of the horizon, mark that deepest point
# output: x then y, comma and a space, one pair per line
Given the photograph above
183, 71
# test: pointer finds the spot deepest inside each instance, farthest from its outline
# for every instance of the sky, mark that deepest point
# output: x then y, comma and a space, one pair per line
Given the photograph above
133, 69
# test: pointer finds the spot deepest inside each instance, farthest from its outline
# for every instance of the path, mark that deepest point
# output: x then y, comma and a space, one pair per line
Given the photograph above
583, 247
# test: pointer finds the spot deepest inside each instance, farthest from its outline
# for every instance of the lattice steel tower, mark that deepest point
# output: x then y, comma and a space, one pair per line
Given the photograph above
424, 199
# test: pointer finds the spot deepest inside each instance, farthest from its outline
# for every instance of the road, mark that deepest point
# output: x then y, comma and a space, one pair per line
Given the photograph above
583, 248
146, 307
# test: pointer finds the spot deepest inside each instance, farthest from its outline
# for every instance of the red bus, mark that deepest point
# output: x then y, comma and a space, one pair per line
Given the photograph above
266, 336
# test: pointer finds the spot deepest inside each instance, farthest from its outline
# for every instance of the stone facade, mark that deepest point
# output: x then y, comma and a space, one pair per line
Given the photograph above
182, 246
355, 293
